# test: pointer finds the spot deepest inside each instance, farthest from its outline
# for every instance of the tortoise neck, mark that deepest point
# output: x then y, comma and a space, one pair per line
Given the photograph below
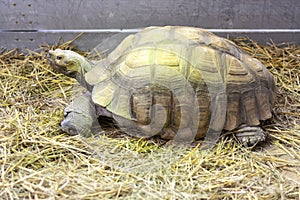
85, 66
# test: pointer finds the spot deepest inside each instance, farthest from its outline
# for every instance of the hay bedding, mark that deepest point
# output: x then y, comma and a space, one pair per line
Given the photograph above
38, 161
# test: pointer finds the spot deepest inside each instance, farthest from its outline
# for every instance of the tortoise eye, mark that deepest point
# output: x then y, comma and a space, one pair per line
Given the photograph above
59, 57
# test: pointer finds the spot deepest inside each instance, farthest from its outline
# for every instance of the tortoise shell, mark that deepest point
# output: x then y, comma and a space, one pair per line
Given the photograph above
168, 66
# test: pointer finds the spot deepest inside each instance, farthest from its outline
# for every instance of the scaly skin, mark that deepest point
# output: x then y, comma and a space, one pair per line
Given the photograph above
79, 116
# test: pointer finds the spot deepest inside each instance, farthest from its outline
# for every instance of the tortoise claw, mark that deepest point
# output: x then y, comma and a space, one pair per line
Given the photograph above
249, 136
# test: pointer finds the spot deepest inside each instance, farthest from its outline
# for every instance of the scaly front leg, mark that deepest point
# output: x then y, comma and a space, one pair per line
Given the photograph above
79, 116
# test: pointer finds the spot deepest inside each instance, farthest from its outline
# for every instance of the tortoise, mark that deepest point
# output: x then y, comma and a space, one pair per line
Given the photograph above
180, 83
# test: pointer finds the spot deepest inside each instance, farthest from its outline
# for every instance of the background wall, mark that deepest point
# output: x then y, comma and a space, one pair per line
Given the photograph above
28, 23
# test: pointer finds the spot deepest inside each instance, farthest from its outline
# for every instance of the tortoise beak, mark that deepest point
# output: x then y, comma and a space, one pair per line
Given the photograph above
49, 57
51, 61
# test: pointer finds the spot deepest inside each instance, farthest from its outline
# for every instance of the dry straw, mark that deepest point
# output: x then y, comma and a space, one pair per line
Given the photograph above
38, 161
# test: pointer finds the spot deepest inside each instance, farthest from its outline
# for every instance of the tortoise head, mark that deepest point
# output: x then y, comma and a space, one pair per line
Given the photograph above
68, 62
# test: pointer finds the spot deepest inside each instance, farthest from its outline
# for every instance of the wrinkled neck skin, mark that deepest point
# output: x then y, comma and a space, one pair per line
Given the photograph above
85, 66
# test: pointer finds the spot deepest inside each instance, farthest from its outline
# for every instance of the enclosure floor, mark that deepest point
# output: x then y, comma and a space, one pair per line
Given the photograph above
38, 161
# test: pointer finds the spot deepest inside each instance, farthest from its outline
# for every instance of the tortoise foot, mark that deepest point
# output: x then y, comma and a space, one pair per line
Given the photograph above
249, 135
79, 117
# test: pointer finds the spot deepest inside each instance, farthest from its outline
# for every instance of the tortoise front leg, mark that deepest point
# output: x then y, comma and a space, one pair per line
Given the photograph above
79, 116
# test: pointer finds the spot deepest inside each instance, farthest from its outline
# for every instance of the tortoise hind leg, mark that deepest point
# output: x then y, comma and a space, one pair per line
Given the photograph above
249, 135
